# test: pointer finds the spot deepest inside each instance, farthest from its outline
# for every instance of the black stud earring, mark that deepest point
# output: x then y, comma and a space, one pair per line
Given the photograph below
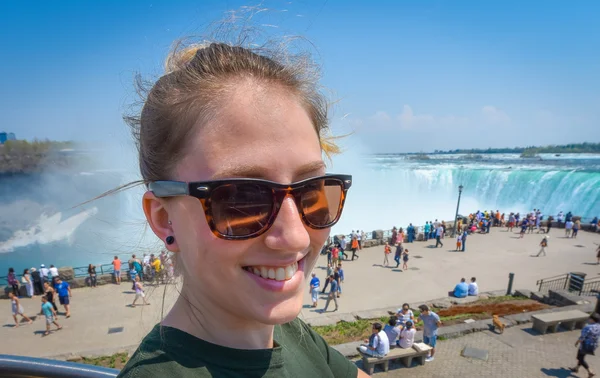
170, 240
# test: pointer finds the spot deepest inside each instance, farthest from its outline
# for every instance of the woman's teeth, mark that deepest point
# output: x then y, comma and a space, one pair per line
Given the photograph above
274, 273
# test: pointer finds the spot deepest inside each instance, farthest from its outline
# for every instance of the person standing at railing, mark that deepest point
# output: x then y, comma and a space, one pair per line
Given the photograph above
44, 272
117, 269
13, 282
26, 280
53, 273
38, 286
92, 274
426, 231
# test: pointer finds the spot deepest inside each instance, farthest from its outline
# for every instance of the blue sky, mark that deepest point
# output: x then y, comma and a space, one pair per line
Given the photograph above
410, 75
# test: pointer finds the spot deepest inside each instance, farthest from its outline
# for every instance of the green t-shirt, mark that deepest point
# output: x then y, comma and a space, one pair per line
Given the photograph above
299, 352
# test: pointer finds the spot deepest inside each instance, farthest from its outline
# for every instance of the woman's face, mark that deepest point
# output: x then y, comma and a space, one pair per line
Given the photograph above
259, 132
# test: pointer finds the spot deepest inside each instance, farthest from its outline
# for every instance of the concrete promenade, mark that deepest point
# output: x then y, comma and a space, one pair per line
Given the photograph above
435, 271
516, 353
368, 285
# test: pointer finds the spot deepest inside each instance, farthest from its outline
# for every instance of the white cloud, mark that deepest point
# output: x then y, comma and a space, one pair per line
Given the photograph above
409, 120
494, 115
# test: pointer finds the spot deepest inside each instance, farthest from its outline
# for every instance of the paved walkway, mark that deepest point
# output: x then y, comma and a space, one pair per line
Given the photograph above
435, 271
516, 353
368, 285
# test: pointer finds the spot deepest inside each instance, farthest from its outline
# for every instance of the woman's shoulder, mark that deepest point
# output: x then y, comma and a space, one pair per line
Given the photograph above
162, 353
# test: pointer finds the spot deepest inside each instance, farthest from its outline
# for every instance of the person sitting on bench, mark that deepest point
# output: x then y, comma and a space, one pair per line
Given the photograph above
407, 336
378, 343
392, 330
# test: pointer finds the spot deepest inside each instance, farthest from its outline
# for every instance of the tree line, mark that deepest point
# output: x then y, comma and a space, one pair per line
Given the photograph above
22, 156
576, 148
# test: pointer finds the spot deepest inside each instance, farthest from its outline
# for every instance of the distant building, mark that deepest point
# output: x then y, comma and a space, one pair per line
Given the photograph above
4, 136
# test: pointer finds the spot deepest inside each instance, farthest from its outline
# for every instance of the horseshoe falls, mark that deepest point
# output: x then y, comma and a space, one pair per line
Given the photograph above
395, 190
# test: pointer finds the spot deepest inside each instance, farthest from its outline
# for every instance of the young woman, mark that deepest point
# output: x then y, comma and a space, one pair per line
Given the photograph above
28, 282
49, 292
13, 282
231, 147
92, 274
17, 309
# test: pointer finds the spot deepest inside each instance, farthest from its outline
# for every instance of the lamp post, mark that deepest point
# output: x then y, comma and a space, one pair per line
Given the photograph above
460, 188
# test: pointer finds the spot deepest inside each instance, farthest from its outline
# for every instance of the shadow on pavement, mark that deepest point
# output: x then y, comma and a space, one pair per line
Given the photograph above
560, 372
531, 331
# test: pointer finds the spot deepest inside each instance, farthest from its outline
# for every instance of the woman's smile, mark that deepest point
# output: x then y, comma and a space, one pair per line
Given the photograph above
281, 278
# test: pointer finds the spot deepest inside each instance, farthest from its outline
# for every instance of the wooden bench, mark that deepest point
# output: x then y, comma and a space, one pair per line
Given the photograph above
419, 351
567, 319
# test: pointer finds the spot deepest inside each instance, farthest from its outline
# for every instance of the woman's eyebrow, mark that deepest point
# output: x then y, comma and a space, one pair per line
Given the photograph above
257, 171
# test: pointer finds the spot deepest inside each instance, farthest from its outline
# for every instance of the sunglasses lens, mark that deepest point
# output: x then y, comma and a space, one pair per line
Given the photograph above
321, 202
241, 209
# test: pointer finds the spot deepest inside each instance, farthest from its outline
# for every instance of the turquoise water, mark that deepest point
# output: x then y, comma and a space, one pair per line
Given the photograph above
38, 223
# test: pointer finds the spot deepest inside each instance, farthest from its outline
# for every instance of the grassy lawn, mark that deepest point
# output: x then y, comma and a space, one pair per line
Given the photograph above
116, 361
345, 332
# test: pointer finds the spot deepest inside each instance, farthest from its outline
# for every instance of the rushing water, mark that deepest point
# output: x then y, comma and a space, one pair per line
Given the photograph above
38, 223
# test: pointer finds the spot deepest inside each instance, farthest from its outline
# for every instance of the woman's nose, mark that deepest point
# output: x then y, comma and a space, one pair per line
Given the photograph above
288, 231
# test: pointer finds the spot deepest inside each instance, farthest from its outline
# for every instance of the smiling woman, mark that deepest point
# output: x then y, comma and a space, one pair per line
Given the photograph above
231, 144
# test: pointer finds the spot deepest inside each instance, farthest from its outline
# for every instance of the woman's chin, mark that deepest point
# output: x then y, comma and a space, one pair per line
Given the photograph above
280, 313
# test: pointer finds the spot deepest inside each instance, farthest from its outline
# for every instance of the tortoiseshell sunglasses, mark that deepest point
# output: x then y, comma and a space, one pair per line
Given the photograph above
238, 209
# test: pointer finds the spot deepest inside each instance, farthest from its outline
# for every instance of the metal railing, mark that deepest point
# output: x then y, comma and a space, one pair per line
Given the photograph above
80, 271
590, 287
22, 366
553, 283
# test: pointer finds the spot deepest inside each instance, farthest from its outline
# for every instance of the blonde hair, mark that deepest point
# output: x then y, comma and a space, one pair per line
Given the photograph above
197, 75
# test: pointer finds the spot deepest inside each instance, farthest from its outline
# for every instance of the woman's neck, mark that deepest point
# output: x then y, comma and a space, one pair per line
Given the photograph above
206, 320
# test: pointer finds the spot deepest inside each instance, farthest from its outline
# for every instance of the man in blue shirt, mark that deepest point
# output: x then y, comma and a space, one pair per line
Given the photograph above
461, 289
314, 289
64, 292
431, 323
332, 293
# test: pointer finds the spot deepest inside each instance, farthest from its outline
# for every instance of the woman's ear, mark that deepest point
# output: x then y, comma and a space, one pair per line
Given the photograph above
157, 216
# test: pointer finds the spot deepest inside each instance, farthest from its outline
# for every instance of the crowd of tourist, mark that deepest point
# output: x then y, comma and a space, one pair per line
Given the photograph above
47, 283
400, 332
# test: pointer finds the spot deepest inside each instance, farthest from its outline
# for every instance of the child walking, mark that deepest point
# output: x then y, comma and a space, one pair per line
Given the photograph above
459, 242
139, 292
17, 309
405, 260
386, 251
50, 314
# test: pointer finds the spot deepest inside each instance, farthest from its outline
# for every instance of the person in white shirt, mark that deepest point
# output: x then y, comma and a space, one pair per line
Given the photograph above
407, 335
53, 273
473, 288
44, 273
378, 344
568, 228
